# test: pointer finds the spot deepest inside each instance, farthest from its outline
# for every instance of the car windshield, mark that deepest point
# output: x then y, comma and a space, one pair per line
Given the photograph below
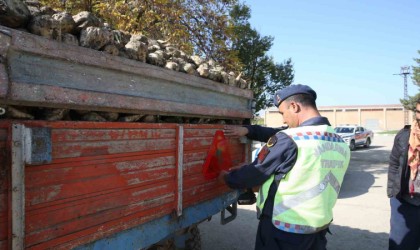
344, 130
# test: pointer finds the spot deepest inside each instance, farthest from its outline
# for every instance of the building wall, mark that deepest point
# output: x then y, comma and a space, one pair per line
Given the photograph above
395, 118
375, 117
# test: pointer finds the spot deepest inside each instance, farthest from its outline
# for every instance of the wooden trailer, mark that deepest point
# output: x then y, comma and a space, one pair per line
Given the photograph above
107, 185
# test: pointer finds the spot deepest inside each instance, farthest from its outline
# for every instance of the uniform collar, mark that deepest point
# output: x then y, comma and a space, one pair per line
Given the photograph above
319, 120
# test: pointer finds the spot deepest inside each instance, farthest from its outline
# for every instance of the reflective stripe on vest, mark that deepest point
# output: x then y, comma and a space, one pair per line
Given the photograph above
307, 194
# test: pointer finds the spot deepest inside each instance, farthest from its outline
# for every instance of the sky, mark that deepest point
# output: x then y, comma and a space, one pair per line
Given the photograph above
347, 50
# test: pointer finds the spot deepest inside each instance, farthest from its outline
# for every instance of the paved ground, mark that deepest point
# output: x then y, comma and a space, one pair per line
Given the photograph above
361, 215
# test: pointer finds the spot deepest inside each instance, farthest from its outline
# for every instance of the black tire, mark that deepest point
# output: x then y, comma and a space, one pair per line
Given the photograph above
367, 143
352, 145
194, 241
168, 244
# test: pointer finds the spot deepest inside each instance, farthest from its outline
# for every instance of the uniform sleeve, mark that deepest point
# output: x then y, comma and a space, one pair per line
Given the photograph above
259, 133
275, 159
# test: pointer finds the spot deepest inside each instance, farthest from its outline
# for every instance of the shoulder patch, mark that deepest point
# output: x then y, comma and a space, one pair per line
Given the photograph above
272, 141
262, 154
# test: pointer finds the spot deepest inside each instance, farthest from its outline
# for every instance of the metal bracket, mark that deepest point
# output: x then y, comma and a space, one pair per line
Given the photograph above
18, 186
29, 146
39, 146
233, 210
180, 169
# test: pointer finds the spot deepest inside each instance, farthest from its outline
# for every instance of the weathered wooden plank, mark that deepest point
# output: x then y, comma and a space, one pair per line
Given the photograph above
202, 193
4, 222
81, 160
102, 208
60, 173
59, 97
96, 77
91, 186
3, 150
3, 80
200, 132
111, 227
196, 188
3, 202
5, 41
69, 241
82, 198
4, 189
87, 79
193, 168
197, 142
78, 149
32, 44
97, 125
4, 244
195, 155
70, 135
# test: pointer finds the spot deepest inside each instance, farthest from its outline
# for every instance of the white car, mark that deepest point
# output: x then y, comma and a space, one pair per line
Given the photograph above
355, 135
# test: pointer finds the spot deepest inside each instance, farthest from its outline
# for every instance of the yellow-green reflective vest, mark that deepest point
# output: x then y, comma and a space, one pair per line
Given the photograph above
307, 194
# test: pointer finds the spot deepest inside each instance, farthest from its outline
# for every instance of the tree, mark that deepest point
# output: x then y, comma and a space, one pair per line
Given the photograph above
410, 103
194, 26
416, 71
212, 29
264, 75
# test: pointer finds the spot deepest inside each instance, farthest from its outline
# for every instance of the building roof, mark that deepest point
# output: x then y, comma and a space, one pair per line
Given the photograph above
380, 106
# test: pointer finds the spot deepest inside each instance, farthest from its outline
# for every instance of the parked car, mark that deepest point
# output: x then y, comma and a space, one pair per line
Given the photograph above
355, 135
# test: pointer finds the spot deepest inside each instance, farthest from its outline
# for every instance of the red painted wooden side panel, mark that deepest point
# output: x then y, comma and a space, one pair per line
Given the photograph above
108, 177
101, 178
196, 145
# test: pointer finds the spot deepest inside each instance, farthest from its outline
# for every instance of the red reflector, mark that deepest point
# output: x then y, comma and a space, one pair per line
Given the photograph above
218, 157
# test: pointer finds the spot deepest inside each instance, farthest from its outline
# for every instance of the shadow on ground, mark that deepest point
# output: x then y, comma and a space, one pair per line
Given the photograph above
346, 238
240, 235
365, 164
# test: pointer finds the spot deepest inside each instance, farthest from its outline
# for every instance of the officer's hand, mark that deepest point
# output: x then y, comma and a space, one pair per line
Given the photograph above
221, 177
237, 166
235, 131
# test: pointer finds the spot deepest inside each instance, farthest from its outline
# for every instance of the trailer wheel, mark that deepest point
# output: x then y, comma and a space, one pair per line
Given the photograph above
164, 245
194, 241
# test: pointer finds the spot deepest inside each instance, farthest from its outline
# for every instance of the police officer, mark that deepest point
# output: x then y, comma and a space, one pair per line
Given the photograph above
299, 171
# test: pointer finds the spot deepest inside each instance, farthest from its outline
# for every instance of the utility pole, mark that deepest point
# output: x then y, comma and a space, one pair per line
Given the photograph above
405, 71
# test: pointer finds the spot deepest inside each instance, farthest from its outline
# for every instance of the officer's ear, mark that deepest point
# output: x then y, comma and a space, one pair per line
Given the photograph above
294, 106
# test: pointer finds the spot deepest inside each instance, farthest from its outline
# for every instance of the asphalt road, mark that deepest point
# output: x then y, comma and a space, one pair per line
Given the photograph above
361, 215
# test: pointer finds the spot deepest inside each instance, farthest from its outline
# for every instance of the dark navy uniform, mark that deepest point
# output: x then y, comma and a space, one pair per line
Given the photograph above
277, 159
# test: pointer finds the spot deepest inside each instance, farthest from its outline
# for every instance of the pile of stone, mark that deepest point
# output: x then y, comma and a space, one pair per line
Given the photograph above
85, 29
55, 114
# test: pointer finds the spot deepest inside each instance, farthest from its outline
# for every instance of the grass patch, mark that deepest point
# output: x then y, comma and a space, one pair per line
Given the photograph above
390, 132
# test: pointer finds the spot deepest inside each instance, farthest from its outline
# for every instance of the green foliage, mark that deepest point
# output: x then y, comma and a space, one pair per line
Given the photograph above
212, 29
194, 26
73, 6
388, 132
410, 103
257, 121
416, 71
265, 76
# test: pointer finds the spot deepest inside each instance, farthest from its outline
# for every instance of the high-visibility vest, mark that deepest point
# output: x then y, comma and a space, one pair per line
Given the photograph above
306, 195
